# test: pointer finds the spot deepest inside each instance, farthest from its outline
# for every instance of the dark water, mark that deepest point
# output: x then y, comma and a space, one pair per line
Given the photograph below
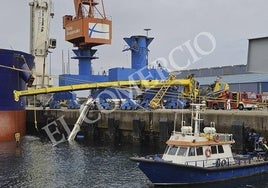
36, 163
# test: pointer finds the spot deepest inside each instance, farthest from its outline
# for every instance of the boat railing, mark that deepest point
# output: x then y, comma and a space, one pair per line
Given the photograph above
250, 158
224, 137
219, 162
156, 157
242, 159
174, 133
218, 137
223, 162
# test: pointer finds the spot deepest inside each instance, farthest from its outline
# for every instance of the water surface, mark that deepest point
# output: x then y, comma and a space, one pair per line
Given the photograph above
37, 163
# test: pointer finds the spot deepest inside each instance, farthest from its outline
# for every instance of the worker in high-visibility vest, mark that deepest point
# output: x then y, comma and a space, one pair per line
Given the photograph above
265, 145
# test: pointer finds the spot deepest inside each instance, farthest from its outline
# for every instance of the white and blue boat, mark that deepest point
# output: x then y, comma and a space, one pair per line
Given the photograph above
194, 157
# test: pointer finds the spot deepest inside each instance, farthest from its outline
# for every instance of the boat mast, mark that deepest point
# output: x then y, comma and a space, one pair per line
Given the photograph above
197, 119
175, 120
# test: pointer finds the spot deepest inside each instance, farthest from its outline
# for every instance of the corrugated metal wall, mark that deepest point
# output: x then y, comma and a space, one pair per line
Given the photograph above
252, 87
214, 71
264, 87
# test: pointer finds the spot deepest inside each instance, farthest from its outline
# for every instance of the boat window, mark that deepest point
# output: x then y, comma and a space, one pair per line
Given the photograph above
191, 151
166, 150
199, 150
182, 151
220, 149
214, 149
172, 150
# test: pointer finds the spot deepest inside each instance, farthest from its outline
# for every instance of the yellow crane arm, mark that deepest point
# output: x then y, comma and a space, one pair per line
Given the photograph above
74, 87
95, 85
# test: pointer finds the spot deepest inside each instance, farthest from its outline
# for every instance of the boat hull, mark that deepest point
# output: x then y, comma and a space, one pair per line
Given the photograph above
167, 173
15, 72
12, 122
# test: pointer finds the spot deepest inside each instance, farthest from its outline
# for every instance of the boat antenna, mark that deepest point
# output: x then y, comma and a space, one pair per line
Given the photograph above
175, 119
182, 119
192, 116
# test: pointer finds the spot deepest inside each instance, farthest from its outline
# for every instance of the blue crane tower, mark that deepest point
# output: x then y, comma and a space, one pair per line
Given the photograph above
85, 31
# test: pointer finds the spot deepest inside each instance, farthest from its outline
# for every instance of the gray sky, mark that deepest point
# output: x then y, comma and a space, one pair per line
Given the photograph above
174, 23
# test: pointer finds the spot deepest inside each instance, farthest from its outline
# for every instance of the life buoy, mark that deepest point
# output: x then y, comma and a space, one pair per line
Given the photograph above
223, 162
216, 138
208, 152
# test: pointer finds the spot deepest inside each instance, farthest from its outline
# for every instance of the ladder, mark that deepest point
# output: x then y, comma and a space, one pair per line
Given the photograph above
154, 103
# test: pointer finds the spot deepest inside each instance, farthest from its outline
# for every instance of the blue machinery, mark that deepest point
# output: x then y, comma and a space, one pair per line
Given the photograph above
86, 30
138, 45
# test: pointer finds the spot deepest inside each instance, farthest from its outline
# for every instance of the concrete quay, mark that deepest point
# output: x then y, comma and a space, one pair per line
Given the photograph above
138, 126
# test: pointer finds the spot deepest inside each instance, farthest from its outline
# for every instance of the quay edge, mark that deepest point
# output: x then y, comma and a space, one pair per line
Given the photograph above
137, 126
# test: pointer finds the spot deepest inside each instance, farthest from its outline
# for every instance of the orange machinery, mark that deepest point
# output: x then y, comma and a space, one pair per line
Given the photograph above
89, 27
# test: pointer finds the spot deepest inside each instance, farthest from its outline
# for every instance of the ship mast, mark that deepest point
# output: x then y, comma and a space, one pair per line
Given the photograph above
197, 119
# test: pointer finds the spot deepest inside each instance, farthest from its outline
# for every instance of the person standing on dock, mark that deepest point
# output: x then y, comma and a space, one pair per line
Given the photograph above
228, 104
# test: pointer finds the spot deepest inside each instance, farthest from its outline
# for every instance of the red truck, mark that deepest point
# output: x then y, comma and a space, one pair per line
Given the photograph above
238, 100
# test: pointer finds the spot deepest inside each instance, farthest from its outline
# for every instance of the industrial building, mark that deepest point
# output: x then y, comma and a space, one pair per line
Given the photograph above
237, 76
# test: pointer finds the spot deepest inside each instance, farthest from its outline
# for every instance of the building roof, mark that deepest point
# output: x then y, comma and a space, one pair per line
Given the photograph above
230, 74
234, 79
213, 71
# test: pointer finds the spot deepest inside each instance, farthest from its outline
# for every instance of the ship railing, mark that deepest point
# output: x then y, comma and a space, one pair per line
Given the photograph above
219, 162
218, 137
156, 157
224, 137
242, 159
223, 162
181, 133
250, 158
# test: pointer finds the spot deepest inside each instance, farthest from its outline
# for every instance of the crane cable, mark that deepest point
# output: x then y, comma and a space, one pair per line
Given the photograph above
53, 76
35, 117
